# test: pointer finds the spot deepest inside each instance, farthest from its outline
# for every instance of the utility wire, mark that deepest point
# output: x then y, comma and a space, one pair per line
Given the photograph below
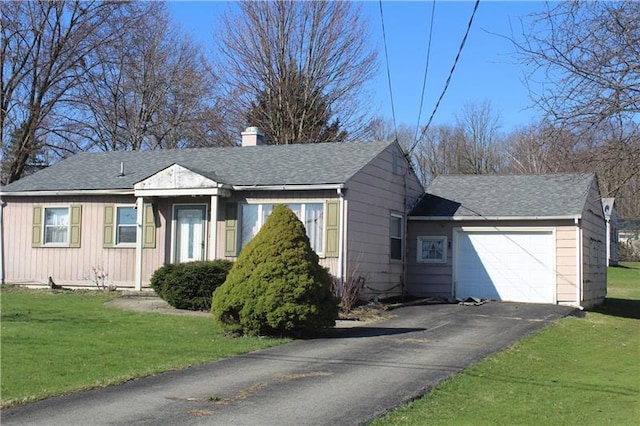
426, 69
386, 55
446, 84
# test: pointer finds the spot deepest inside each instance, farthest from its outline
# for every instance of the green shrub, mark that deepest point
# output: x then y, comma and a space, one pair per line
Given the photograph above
276, 286
190, 285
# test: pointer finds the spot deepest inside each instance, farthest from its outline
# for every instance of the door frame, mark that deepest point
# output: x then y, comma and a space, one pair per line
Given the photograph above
174, 229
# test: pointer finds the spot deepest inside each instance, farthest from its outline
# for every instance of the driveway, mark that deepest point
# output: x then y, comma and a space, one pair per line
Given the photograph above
343, 376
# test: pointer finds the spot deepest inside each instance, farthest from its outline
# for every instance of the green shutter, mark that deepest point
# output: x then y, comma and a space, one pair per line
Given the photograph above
231, 230
332, 232
36, 235
108, 225
75, 224
149, 227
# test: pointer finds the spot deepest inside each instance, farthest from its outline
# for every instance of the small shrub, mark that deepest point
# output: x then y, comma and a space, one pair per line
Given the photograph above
276, 286
190, 285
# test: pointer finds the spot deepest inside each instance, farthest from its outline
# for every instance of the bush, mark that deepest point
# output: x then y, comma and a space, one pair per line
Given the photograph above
190, 285
276, 286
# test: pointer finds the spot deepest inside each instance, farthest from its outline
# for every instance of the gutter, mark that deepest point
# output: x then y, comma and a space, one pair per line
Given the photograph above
128, 191
485, 218
287, 187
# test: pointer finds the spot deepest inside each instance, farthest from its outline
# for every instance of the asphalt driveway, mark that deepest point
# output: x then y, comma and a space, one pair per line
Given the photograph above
343, 376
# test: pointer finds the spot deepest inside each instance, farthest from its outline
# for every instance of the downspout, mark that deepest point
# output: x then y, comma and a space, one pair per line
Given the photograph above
578, 262
139, 243
342, 231
1, 243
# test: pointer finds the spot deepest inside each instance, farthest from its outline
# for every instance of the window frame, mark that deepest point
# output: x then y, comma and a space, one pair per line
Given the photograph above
395, 237
66, 243
262, 219
420, 253
116, 226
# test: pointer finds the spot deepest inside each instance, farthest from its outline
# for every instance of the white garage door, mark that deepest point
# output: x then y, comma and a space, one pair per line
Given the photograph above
508, 265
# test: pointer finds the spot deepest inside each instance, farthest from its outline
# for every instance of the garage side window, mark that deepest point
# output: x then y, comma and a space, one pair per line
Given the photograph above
432, 249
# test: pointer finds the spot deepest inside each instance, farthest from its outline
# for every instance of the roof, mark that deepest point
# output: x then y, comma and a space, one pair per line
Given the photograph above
267, 165
503, 196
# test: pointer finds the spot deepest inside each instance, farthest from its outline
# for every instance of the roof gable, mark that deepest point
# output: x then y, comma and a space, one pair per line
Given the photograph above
504, 196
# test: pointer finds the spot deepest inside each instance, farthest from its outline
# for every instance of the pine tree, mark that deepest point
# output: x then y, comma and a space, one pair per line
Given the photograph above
277, 285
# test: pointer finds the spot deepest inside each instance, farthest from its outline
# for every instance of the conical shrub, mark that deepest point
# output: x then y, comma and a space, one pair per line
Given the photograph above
277, 285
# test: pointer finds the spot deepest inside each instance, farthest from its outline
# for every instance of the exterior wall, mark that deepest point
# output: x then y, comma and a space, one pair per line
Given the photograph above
436, 279
594, 250
273, 197
73, 266
386, 185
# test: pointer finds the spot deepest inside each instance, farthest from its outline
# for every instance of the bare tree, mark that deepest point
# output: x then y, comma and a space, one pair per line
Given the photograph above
478, 127
44, 52
584, 60
153, 89
296, 62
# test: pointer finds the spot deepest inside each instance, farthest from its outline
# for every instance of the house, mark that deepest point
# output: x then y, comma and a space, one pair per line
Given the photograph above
536, 238
128, 213
611, 219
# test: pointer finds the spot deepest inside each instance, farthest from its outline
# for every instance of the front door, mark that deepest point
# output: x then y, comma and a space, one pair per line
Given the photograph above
190, 234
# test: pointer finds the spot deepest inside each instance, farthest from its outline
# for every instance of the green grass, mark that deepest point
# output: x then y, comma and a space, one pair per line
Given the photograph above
53, 344
578, 371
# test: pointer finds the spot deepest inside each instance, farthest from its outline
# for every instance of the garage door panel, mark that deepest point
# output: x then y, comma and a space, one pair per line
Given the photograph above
510, 266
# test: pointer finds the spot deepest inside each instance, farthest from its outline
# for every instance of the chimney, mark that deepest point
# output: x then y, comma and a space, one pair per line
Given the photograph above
252, 136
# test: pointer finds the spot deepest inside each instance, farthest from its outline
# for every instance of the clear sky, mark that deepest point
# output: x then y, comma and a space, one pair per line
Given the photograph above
486, 70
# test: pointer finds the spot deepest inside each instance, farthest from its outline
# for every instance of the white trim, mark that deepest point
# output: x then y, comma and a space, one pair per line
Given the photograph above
213, 224
128, 191
1, 242
115, 227
139, 242
341, 241
486, 218
579, 260
44, 225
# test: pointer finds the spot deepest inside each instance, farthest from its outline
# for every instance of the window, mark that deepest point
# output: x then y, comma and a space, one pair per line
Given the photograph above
125, 225
432, 250
396, 235
56, 225
253, 216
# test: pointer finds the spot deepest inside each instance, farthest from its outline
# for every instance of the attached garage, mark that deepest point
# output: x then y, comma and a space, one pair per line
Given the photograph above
515, 265
522, 238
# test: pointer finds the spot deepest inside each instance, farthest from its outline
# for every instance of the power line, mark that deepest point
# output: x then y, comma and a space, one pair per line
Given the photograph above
446, 84
386, 55
426, 68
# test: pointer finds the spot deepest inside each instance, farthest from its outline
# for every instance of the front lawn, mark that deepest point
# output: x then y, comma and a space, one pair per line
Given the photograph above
578, 371
53, 344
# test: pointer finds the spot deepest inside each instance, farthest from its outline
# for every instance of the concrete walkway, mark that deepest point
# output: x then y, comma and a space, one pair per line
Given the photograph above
343, 376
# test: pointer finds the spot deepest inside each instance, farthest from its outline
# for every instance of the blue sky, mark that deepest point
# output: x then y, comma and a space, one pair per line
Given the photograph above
486, 70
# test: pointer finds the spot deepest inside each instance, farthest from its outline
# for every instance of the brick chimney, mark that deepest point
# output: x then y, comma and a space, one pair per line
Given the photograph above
252, 136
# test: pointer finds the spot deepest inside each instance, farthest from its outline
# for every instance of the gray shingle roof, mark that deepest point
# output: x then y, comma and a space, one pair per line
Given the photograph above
548, 195
307, 164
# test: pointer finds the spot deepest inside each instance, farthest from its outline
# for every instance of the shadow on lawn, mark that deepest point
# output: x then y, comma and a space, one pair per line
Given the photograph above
624, 308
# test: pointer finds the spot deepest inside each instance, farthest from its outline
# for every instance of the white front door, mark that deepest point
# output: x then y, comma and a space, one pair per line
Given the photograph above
190, 233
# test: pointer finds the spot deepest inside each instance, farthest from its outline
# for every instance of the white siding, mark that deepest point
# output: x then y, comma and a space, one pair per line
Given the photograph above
594, 250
